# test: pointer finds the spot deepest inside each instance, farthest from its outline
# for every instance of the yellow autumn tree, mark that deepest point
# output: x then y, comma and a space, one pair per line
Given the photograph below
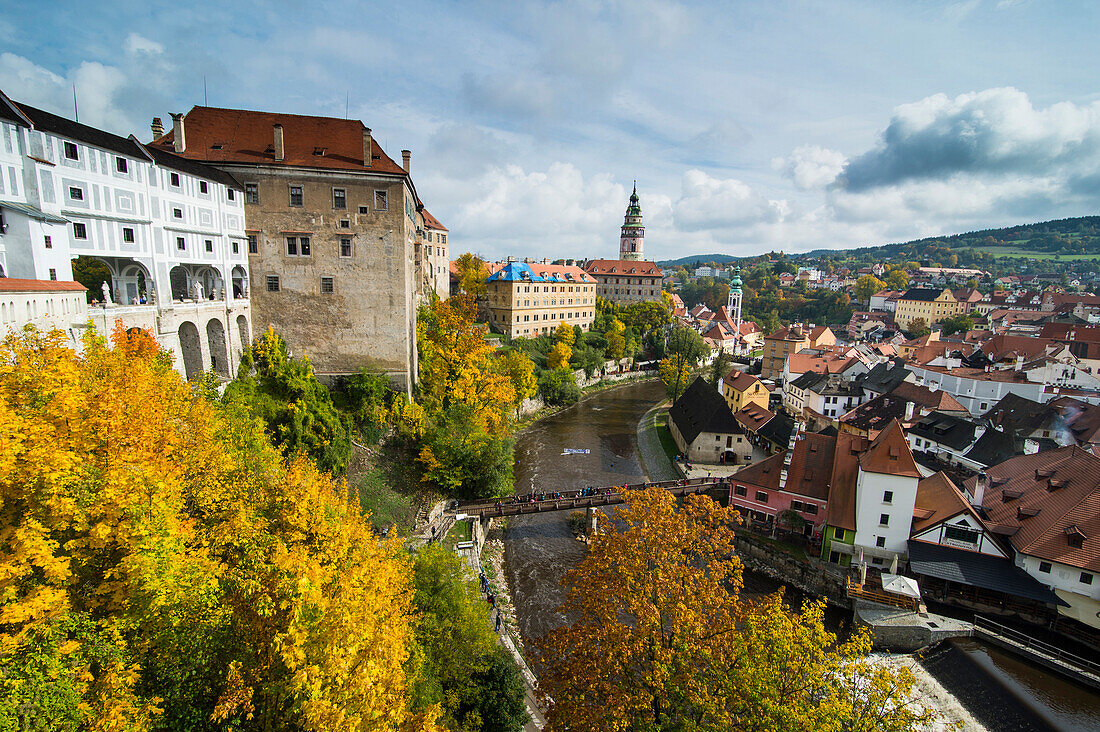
660, 639
457, 366
162, 566
675, 375
559, 356
616, 340
564, 333
520, 370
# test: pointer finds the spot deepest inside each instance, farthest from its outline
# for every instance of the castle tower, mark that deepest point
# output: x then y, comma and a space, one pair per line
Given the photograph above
733, 306
632, 240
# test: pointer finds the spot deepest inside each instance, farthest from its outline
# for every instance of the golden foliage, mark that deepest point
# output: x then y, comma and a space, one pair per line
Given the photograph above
564, 333
559, 356
202, 560
661, 640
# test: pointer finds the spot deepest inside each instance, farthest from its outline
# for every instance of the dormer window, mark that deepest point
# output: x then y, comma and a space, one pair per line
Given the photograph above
1024, 512
320, 150
1075, 537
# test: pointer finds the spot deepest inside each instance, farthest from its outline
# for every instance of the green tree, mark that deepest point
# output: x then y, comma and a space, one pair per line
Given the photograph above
520, 370
296, 408
719, 367
460, 665
868, 285
685, 349
558, 387
463, 459
92, 273
960, 323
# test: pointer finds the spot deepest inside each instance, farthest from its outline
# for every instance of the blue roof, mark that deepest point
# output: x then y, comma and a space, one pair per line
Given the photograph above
521, 271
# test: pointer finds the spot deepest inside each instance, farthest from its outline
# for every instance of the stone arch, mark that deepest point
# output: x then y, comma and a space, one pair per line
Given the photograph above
240, 282
212, 283
133, 283
180, 281
219, 352
190, 349
246, 337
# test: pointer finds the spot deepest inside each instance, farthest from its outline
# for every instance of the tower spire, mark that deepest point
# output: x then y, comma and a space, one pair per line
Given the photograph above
632, 240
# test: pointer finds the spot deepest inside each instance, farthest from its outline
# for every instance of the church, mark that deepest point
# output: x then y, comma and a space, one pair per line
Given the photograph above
630, 278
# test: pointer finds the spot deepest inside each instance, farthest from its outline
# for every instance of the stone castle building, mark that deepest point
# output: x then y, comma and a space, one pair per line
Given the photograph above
169, 230
629, 278
336, 233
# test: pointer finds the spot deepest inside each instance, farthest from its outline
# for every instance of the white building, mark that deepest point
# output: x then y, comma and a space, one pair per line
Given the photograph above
977, 389
886, 492
169, 230
45, 304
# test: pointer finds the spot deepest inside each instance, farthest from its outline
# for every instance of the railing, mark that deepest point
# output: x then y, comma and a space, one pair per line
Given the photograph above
996, 630
565, 500
882, 598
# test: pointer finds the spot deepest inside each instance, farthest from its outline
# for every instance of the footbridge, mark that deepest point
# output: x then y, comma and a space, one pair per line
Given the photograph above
582, 498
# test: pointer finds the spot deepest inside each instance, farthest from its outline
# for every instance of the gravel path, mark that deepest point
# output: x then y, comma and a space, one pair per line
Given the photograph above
653, 457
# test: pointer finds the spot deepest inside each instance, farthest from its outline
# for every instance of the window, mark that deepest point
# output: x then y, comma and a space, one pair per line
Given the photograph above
181, 243
174, 179
232, 194
761, 497
71, 151
202, 186
1044, 567
796, 505
53, 273
209, 245
251, 193
961, 533
253, 244
884, 519
880, 541
327, 287
345, 224
236, 247
380, 201
291, 246
345, 246
76, 194
364, 209
303, 245
295, 195
811, 508
79, 231
1086, 578
273, 283
48, 242
887, 496
339, 199
128, 235
121, 165
177, 213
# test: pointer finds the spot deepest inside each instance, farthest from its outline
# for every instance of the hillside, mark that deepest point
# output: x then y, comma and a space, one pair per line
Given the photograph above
1076, 238
700, 258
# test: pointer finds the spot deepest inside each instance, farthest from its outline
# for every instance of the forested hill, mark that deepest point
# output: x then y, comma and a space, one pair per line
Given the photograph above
1076, 236
697, 260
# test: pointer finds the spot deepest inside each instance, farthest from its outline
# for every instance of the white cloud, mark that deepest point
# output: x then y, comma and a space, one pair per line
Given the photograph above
707, 202
137, 44
810, 166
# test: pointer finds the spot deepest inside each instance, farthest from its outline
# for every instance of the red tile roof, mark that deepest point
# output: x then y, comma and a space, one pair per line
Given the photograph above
890, 454
244, 136
1045, 495
764, 473
740, 380
938, 499
752, 416
629, 267
811, 466
10, 284
938, 400
432, 222
842, 480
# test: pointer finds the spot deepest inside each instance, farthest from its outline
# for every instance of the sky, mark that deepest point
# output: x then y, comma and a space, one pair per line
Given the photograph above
749, 126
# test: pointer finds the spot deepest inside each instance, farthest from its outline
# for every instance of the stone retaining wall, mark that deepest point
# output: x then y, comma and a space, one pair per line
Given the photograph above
812, 576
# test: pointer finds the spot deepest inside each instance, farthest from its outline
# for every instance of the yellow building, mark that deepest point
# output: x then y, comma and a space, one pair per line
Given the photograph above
741, 389
933, 305
527, 300
786, 341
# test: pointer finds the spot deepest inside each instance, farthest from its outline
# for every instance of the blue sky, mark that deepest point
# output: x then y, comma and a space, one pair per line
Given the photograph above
750, 126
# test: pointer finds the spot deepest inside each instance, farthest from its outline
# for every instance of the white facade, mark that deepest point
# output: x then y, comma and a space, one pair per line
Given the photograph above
832, 405
978, 395
170, 231
44, 308
1078, 587
962, 532
891, 496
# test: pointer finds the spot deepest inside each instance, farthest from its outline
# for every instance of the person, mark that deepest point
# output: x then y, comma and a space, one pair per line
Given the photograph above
498, 621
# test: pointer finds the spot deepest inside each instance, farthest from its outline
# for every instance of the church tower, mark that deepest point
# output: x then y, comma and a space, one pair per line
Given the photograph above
733, 307
632, 240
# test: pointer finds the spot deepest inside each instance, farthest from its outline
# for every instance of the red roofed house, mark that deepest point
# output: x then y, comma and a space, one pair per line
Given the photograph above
625, 281
1048, 505
46, 304
334, 229
741, 389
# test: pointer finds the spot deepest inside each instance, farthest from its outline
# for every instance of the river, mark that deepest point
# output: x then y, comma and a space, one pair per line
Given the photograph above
540, 549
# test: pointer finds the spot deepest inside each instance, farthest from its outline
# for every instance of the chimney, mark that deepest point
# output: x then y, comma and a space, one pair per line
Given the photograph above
177, 133
406, 155
280, 151
368, 158
1019, 363
790, 453
1031, 446
980, 486
910, 409
157, 127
